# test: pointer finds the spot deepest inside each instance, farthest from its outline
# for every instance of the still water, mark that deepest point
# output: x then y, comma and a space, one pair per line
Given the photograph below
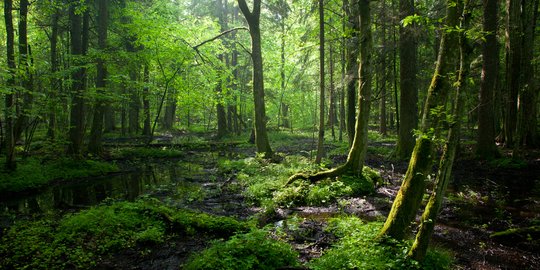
180, 180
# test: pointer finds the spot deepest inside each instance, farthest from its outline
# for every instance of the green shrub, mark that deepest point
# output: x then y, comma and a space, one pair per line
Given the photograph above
253, 250
358, 248
33, 173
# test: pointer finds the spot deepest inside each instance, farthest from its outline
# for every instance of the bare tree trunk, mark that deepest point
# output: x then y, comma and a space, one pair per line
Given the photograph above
146, 102
96, 133
408, 110
513, 68
79, 39
485, 147
320, 141
11, 164
253, 18
352, 13
55, 83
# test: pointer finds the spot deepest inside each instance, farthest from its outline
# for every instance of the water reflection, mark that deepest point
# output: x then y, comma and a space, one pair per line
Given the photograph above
127, 186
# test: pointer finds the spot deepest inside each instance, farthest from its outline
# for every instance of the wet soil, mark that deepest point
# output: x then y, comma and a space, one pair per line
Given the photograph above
482, 199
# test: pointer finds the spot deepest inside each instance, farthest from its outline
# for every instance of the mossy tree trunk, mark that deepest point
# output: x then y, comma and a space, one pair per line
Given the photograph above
423, 236
352, 45
253, 19
412, 189
357, 152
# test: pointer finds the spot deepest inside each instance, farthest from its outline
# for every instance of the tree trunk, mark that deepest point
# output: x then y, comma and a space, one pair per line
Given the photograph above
420, 245
77, 115
11, 164
412, 188
527, 121
252, 18
320, 141
146, 102
55, 83
383, 74
408, 109
332, 115
134, 102
485, 147
24, 111
94, 144
513, 68
352, 13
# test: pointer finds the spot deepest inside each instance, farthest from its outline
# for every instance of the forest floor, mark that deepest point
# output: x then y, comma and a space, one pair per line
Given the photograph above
483, 198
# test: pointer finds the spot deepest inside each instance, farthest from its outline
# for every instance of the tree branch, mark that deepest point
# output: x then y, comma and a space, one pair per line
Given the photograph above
218, 36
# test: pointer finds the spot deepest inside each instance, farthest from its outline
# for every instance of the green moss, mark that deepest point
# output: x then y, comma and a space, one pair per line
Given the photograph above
358, 248
82, 239
33, 173
253, 250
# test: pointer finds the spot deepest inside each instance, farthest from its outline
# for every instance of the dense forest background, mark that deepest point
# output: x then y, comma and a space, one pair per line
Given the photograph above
311, 90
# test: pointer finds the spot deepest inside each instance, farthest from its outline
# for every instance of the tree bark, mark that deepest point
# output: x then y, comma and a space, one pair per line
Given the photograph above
77, 114
253, 18
352, 13
320, 141
24, 66
11, 164
485, 147
408, 109
96, 133
513, 68
412, 189
419, 248
146, 102
55, 83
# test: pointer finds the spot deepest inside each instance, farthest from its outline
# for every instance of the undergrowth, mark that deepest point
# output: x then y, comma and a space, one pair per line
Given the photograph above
35, 173
358, 248
253, 250
81, 240
264, 182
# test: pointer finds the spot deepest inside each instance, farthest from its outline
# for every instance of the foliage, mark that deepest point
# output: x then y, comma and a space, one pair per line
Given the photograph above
253, 250
80, 240
35, 173
359, 248
508, 163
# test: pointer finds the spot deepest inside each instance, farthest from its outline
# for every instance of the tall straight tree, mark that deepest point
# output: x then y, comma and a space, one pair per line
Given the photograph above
352, 30
513, 68
408, 109
485, 146
357, 152
9, 98
412, 189
26, 80
320, 142
94, 145
253, 20
221, 12
79, 38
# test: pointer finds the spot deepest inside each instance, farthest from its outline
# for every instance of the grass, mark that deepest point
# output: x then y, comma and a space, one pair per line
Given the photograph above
82, 239
358, 248
34, 173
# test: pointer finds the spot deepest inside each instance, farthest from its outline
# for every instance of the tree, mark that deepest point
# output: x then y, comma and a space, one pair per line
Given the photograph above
485, 146
253, 18
320, 141
10, 83
353, 29
357, 152
408, 109
419, 248
94, 145
412, 188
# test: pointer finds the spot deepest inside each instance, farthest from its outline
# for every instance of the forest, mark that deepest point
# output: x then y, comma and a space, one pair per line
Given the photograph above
269, 134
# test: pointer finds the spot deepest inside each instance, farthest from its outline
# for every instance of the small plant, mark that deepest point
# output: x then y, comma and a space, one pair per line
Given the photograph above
253, 250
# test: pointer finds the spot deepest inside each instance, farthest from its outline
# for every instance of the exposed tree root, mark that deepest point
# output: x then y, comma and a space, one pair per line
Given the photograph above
320, 175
